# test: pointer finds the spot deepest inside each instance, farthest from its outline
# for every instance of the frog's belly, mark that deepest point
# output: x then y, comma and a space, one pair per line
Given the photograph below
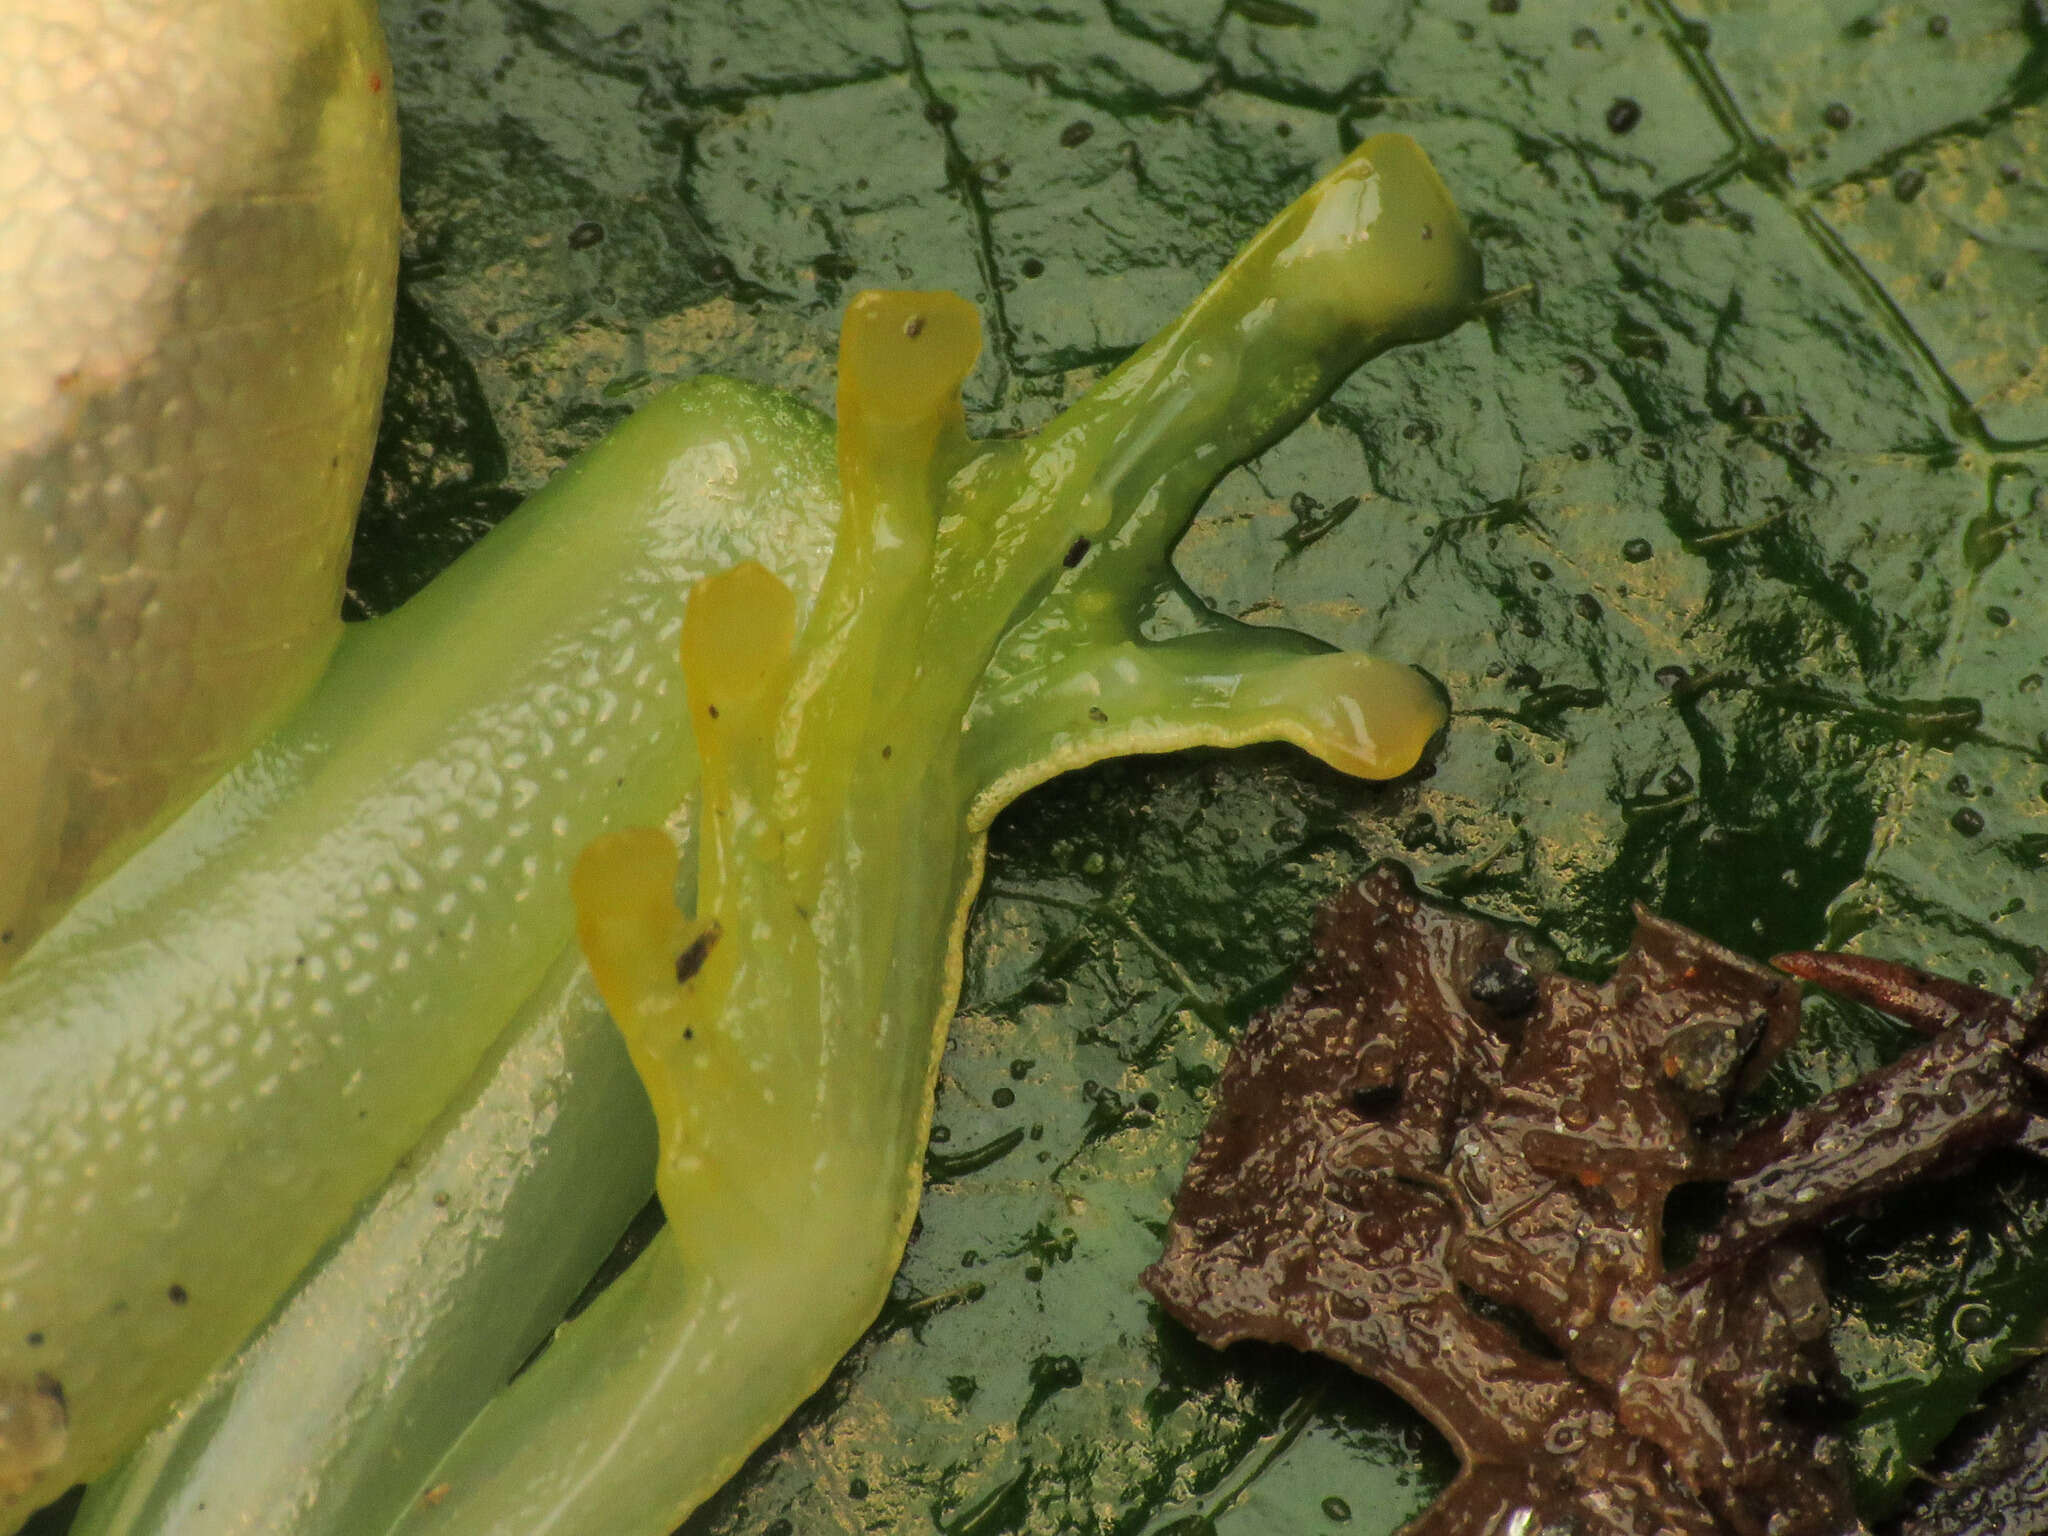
198, 242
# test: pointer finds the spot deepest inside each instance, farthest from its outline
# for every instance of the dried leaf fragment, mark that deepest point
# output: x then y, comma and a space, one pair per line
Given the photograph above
1434, 1140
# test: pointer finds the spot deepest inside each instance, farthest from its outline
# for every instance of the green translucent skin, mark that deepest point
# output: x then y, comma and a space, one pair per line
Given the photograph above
428, 800
232, 1041
438, 1290
966, 644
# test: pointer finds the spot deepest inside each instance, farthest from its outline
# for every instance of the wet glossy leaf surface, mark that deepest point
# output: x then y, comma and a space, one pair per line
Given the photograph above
1727, 540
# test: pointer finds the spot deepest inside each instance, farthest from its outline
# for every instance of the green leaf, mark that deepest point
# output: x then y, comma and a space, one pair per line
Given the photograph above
1726, 539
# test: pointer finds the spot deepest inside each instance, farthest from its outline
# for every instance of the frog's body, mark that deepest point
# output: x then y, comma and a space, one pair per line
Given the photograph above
198, 246
226, 1046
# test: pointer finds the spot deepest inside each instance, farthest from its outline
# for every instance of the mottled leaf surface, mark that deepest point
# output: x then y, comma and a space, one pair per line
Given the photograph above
1726, 537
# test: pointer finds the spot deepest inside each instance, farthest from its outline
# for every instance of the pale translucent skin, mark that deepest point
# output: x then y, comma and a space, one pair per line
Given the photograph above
198, 249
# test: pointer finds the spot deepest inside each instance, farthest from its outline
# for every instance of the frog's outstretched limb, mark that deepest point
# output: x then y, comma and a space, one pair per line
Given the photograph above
788, 1024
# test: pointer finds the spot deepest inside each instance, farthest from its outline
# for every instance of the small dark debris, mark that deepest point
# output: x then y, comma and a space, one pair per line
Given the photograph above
1503, 7
585, 235
1837, 115
1076, 553
1623, 115
1077, 133
1937, 26
940, 113
178, 1294
1909, 183
1032, 267
696, 952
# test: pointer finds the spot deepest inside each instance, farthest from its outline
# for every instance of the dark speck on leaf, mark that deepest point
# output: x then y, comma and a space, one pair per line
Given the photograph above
1908, 183
1098, 714
178, 1295
1503, 7
715, 269
1636, 551
1672, 677
1077, 133
1836, 115
585, 235
914, 327
1076, 553
1032, 267
940, 112
1623, 115
1967, 822
692, 959
1937, 26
